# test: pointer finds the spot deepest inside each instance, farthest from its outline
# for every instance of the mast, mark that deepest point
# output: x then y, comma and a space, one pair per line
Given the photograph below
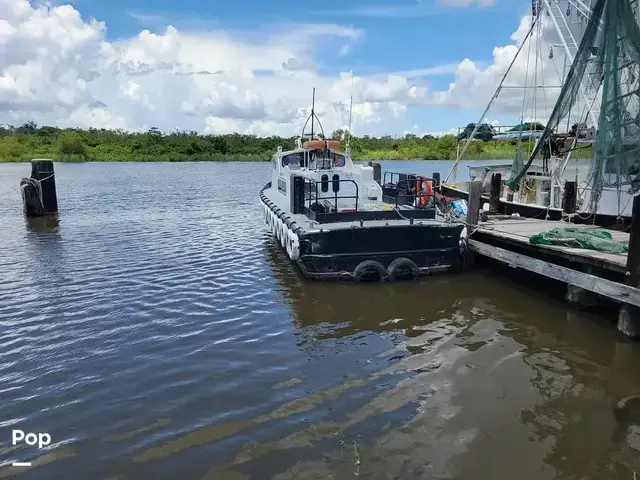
313, 104
350, 111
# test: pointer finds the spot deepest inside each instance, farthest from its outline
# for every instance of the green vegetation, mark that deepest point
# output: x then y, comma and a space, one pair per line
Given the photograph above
30, 141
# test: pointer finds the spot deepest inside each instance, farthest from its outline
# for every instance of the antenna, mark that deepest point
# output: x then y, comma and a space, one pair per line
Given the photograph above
350, 111
313, 104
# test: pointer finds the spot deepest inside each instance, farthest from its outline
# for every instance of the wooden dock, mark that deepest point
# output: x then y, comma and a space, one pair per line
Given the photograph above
587, 273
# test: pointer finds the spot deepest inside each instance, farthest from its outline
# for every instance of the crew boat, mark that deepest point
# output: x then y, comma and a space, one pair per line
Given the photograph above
337, 221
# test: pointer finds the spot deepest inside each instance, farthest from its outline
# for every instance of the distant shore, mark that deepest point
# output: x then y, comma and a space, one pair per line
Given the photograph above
21, 144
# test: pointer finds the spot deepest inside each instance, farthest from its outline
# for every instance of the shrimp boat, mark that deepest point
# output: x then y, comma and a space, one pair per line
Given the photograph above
597, 108
336, 221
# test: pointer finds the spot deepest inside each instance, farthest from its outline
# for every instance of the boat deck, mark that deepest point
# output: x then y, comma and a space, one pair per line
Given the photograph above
516, 231
365, 206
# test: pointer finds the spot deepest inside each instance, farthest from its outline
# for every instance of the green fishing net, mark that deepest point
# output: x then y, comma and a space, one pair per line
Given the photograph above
518, 165
599, 240
606, 71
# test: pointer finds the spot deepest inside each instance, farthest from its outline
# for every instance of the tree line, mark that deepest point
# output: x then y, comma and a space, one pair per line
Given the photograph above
29, 141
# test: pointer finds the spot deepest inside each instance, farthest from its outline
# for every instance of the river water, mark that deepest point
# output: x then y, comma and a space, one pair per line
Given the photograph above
156, 331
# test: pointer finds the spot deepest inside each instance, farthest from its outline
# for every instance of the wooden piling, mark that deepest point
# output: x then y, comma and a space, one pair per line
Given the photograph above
473, 216
39, 191
473, 208
494, 197
436, 182
377, 172
569, 199
629, 315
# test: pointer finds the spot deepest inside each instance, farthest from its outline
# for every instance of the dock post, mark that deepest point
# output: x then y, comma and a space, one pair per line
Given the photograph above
436, 182
473, 208
473, 215
569, 199
39, 191
377, 172
629, 315
494, 197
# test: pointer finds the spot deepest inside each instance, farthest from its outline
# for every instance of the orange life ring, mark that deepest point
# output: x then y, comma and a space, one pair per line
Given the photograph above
425, 190
321, 144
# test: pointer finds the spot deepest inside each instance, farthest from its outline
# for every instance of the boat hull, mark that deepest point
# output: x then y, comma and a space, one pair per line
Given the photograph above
369, 251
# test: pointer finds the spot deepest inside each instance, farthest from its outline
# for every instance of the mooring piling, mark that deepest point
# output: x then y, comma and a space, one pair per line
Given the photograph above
629, 315
569, 199
377, 172
473, 217
39, 190
494, 197
436, 182
473, 209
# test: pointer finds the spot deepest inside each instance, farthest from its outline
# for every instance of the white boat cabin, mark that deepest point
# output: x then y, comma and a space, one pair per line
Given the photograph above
328, 173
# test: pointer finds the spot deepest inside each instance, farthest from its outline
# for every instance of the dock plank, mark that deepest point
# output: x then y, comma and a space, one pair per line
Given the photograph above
613, 290
518, 230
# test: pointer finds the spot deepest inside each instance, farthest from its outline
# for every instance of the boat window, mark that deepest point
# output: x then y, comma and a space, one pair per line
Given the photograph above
292, 159
338, 160
325, 183
336, 183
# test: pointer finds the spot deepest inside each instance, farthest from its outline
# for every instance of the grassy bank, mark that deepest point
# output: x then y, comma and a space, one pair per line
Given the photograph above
19, 144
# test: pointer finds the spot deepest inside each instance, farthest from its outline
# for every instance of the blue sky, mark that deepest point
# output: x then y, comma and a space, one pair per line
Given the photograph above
378, 39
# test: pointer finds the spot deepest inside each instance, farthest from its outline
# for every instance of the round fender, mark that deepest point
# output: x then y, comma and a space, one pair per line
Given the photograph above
283, 235
403, 268
274, 219
278, 228
370, 271
288, 242
295, 246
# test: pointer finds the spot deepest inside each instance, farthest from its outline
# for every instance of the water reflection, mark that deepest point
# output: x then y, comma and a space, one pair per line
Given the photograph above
496, 380
45, 225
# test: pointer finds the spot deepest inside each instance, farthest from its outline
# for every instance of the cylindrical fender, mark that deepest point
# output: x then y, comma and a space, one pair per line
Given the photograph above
274, 219
295, 246
278, 228
288, 242
283, 235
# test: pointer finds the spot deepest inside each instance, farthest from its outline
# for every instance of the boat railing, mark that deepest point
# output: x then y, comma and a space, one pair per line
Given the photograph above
406, 189
415, 196
312, 195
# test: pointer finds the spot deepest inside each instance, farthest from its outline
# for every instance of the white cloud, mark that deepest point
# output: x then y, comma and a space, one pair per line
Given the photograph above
58, 68
474, 85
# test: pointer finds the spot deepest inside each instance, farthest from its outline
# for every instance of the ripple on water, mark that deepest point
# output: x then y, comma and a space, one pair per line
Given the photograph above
159, 330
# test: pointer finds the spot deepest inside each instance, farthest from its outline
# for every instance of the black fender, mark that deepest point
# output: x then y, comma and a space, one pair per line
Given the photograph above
402, 268
369, 270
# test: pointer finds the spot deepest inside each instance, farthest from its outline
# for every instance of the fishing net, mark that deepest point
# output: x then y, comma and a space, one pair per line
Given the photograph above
599, 240
606, 66
518, 164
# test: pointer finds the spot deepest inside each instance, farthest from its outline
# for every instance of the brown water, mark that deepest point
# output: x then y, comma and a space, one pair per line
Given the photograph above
156, 331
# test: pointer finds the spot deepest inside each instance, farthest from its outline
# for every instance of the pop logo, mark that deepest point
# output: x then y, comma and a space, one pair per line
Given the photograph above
31, 439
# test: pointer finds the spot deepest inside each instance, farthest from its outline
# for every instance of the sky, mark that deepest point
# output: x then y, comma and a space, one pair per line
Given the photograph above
249, 66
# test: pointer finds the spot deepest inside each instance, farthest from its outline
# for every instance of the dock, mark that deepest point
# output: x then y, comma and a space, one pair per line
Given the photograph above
588, 274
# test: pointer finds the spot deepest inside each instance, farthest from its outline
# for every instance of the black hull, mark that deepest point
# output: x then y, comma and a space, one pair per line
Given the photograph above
374, 252
534, 211
337, 254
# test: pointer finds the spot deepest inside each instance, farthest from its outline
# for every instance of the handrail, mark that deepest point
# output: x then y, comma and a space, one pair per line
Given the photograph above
334, 197
416, 195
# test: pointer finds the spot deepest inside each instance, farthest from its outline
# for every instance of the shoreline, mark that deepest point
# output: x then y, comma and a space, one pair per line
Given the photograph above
391, 157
